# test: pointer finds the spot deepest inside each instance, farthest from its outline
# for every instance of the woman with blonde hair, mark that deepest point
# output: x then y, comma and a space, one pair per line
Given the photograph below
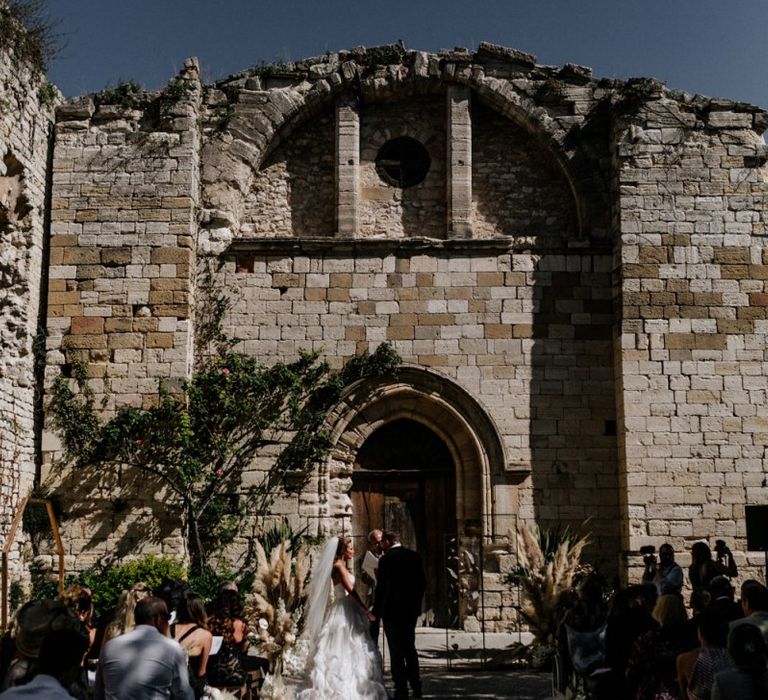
652, 668
124, 621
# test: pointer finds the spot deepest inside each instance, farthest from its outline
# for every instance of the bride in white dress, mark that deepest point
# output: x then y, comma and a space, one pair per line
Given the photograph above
343, 662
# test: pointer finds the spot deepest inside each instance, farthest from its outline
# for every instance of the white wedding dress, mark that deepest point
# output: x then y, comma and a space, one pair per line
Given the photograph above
343, 661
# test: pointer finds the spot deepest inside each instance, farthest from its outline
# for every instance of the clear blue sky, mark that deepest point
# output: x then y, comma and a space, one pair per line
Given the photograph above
713, 47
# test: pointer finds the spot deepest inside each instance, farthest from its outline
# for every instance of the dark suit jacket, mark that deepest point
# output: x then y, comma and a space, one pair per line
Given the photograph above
400, 586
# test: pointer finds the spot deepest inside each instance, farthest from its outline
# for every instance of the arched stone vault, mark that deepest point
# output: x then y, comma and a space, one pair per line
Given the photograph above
261, 119
445, 408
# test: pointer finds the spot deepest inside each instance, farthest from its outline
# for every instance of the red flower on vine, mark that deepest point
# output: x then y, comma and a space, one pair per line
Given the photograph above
225, 370
219, 472
139, 441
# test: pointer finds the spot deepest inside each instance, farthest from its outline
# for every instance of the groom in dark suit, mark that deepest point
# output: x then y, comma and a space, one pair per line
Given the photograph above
399, 592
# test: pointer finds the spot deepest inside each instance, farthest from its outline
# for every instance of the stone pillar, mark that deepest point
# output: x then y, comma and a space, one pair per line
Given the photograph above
347, 167
459, 158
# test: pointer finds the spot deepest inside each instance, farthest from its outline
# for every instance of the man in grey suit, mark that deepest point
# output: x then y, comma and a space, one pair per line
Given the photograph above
144, 664
399, 592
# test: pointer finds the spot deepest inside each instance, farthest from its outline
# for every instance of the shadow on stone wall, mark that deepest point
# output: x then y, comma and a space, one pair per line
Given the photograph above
572, 403
114, 515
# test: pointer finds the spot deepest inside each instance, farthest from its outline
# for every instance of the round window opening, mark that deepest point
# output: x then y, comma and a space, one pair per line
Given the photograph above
403, 162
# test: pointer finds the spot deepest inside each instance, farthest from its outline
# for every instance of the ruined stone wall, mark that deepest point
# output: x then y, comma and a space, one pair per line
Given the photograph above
693, 218
517, 188
125, 190
24, 128
414, 211
293, 194
526, 334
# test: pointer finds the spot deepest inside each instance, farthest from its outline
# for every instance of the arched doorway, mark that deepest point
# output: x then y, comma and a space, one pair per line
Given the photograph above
411, 448
404, 479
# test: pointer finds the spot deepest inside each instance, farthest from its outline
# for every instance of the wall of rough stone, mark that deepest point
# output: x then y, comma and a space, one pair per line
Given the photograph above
24, 144
293, 194
122, 270
527, 334
414, 211
692, 217
517, 187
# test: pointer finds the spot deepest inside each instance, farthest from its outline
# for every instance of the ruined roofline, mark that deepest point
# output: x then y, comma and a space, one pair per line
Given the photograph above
393, 63
490, 59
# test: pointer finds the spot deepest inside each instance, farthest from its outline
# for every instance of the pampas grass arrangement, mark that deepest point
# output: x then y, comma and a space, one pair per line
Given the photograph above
548, 563
277, 600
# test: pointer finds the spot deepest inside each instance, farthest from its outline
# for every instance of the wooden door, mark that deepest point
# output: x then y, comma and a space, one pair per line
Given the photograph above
422, 511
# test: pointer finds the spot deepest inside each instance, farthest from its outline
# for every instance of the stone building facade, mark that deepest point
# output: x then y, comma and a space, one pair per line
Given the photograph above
572, 269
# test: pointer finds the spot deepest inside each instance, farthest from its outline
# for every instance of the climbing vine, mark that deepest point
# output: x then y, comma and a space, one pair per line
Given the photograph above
196, 446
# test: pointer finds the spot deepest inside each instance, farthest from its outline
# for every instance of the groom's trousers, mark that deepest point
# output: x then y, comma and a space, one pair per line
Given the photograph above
401, 640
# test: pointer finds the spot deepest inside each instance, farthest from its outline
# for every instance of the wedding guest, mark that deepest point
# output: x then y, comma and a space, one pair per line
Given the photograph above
698, 602
190, 630
34, 621
171, 591
652, 669
228, 667
754, 603
749, 680
696, 669
144, 663
59, 666
666, 575
79, 599
629, 619
722, 592
703, 568
123, 620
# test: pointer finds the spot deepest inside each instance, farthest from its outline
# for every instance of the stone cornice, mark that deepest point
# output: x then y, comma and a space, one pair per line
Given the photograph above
415, 246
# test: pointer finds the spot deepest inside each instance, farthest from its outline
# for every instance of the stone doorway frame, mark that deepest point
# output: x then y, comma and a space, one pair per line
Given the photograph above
444, 407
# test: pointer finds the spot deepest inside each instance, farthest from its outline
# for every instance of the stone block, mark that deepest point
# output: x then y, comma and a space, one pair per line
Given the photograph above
84, 325
126, 340
161, 256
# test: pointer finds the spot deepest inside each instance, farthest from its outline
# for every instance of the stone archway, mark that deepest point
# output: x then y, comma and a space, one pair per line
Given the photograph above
416, 453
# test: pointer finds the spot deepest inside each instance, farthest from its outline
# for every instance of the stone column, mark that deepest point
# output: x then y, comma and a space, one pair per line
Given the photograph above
347, 167
459, 153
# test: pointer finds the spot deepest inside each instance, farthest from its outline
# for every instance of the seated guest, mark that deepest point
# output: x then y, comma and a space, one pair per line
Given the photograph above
696, 669
80, 600
144, 663
754, 603
652, 669
34, 621
172, 591
58, 667
629, 619
698, 602
749, 680
227, 668
124, 621
190, 631
722, 593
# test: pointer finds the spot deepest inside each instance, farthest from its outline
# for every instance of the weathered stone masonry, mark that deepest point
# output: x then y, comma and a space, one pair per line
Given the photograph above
25, 125
576, 285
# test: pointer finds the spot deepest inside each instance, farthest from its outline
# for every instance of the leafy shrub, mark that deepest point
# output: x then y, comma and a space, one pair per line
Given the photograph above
47, 94
108, 582
26, 29
126, 94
